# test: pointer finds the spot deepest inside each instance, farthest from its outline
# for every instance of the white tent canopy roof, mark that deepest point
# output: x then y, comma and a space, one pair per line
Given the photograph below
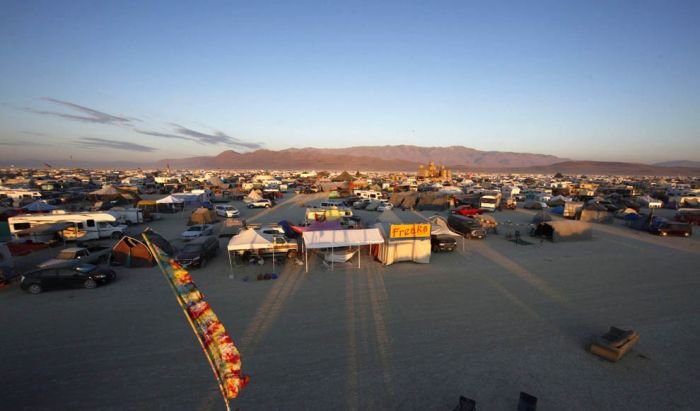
248, 240
342, 238
438, 226
170, 200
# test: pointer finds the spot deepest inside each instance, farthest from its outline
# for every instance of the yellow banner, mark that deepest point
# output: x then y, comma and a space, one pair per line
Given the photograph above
409, 230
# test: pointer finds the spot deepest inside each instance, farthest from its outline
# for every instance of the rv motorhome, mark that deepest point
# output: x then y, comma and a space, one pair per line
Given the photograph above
76, 226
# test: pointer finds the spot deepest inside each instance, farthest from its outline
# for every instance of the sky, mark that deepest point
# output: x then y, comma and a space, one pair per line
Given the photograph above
140, 81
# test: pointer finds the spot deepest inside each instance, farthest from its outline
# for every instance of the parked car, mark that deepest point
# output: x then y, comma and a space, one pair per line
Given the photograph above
467, 210
85, 275
361, 203
198, 230
197, 252
384, 205
467, 226
440, 243
226, 210
664, 227
264, 203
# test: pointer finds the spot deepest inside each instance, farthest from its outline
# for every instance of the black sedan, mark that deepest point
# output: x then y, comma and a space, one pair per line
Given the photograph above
85, 275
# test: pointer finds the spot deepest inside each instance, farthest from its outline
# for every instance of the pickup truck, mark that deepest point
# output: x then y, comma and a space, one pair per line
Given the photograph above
281, 246
72, 255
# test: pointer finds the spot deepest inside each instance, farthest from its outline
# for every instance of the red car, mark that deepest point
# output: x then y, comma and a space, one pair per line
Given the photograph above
467, 210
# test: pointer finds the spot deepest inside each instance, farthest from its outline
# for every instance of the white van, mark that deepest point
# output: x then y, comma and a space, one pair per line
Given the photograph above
226, 210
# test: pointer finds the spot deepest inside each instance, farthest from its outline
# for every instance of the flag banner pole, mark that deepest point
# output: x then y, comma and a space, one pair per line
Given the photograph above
222, 355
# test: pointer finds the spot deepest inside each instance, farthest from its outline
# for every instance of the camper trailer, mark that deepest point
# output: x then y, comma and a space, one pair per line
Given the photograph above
127, 215
19, 196
70, 226
371, 194
490, 202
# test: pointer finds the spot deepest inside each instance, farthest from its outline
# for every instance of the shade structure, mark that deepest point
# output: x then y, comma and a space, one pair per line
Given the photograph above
340, 238
170, 200
247, 240
106, 191
38, 206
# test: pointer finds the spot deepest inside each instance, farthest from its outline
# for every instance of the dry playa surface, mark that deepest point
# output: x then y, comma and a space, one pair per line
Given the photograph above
486, 321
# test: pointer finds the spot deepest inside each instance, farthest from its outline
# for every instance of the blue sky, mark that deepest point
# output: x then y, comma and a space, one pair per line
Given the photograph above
151, 80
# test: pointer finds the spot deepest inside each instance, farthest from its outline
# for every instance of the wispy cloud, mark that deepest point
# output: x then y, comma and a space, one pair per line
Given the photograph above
92, 142
15, 143
165, 135
81, 113
84, 114
32, 133
216, 138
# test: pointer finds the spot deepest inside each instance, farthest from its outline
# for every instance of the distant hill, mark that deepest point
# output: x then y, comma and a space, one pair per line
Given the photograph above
293, 159
379, 158
611, 168
679, 163
449, 156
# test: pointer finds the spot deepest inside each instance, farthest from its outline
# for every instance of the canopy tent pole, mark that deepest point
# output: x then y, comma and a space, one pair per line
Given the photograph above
306, 257
359, 257
230, 264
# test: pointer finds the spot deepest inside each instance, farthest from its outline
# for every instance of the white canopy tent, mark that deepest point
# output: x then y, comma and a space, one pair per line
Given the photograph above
248, 240
170, 200
340, 238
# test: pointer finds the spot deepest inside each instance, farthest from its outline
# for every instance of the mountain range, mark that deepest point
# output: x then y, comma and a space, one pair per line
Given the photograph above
408, 158
378, 158
395, 158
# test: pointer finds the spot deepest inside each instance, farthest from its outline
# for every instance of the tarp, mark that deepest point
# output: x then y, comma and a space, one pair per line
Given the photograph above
557, 210
438, 226
564, 230
39, 205
596, 216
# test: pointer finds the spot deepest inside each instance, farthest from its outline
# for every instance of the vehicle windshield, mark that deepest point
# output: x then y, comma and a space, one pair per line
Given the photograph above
191, 248
195, 228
